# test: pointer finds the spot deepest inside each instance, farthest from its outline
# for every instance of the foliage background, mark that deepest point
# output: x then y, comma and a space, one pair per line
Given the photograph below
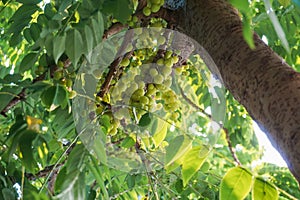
42, 46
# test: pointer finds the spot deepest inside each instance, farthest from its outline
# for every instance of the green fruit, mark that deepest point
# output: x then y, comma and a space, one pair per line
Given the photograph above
147, 11
140, 84
138, 31
131, 23
155, 8
60, 64
175, 59
174, 116
178, 70
168, 54
63, 82
153, 72
151, 87
99, 110
58, 74
69, 83
41, 68
125, 62
151, 90
144, 100
168, 83
158, 79
168, 63
160, 62
113, 131
166, 71
138, 93
161, 40
72, 94
135, 19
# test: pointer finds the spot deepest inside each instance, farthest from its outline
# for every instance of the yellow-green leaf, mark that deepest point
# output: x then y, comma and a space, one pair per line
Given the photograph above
192, 161
236, 184
177, 148
161, 132
263, 190
285, 3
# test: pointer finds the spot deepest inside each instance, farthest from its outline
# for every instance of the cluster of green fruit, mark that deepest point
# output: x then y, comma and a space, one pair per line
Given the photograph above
133, 21
62, 76
144, 81
153, 6
145, 87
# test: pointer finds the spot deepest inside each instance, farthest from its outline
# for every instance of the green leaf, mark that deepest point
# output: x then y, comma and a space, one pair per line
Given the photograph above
54, 96
73, 186
88, 39
174, 165
278, 29
74, 45
263, 190
99, 147
11, 78
29, 2
33, 194
8, 194
97, 25
120, 9
130, 180
63, 129
27, 35
24, 12
76, 158
7, 94
35, 31
128, 142
92, 195
192, 162
49, 10
98, 174
15, 39
26, 149
285, 3
160, 132
28, 62
58, 47
236, 184
247, 32
177, 148
145, 120
17, 26
242, 5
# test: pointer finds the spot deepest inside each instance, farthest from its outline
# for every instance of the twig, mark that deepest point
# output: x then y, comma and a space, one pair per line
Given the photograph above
146, 163
42, 173
21, 96
230, 147
208, 115
113, 69
193, 104
115, 28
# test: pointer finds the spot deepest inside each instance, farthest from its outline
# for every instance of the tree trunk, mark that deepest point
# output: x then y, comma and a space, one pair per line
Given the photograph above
259, 79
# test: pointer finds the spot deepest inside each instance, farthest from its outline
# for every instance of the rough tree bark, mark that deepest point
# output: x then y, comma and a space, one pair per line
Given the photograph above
259, 79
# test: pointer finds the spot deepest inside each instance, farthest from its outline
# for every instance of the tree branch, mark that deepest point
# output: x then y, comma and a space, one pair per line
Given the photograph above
230, 147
